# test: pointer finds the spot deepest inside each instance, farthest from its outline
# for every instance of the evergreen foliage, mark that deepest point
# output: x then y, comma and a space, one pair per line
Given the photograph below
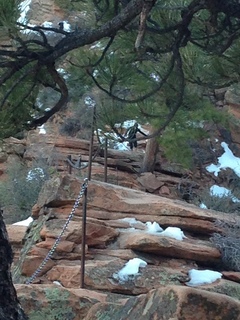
158, 72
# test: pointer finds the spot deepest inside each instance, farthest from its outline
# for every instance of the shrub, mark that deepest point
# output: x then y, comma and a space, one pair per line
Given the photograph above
228, 244
20, 191
80, 120
224, 203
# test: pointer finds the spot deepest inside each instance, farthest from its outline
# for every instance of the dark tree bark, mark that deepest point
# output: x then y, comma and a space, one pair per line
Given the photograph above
10, 308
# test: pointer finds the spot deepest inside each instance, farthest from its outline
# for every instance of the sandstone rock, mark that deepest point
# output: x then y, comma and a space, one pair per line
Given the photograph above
16, 234
149, 181
99, 275
130, 203
164, 191
63, 246
173, 302
97, 234
191, 249
231, 275
32, 263
55, 302
224, 287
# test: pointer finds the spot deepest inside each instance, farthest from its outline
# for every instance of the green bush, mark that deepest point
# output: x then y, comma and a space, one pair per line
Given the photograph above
20, 191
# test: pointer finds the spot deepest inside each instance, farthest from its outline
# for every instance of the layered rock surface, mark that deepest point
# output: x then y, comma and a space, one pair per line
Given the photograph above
116, 232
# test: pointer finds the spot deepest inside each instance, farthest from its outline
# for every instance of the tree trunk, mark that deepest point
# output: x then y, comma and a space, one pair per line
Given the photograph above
10, 308
149, 160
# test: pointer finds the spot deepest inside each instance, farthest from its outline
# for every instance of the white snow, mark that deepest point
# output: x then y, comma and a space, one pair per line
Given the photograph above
24, 222
200, 277
130, 269
153, 227
173, 232
24, 7
35, 174
42, 130
118, 145
203, 206
133, 222
227, 160
114, 138
220, 192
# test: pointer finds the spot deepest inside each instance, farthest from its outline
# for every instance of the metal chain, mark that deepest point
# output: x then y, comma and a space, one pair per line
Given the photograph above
52, 250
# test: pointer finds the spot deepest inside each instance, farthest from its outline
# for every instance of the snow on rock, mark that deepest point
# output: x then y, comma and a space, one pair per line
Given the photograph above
133, 222
201, 277
24, 222
42, 130
173, 232
220, 192
130, 269
203, 206
227, 160
153, 227
24, 7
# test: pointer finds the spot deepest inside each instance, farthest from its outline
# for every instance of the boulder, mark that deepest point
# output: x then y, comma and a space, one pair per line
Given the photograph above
55, 302
172, 302
191, 249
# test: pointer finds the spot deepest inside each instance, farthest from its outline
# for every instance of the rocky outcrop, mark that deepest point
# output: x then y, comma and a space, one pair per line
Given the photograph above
171, 303
115, 233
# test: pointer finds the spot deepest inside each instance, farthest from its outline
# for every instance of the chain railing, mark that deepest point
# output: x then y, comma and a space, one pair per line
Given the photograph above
52, 250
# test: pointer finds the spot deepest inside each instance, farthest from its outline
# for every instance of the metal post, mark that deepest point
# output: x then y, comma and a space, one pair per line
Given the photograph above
105, 160
69, 166
91, 144
84, 221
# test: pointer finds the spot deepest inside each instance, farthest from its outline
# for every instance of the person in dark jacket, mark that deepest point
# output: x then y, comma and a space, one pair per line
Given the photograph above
131, 135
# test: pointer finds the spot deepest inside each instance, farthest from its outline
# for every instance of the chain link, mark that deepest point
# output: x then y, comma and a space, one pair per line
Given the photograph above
52, 250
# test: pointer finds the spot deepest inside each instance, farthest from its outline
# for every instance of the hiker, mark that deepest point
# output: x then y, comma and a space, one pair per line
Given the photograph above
131, 135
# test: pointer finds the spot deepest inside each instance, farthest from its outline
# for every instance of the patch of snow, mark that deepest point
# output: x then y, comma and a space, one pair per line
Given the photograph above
35, 174
57, 283
130, 270
132, 221
203, 206
66, 26
24, 7
173, 232
131, 229
201, 277
114, 138
89, 101
42, 129
220, 192
227, 160
64, 73
153, 227
24, 222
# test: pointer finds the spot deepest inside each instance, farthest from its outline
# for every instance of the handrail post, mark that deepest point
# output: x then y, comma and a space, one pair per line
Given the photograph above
84, 222
91, 143
105, 159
